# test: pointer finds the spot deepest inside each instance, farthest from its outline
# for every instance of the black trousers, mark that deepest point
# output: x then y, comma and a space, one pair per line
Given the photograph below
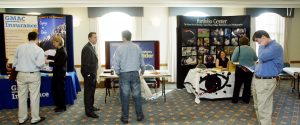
242, 77
58, 90
89, 92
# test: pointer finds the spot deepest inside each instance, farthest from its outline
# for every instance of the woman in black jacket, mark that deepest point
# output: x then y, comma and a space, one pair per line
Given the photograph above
59, 73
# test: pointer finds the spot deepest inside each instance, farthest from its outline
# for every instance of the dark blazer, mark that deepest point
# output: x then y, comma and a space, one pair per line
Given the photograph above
89, 60
60, 61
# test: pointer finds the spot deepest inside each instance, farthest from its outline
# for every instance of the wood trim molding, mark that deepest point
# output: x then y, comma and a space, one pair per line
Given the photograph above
295, 61
103, 66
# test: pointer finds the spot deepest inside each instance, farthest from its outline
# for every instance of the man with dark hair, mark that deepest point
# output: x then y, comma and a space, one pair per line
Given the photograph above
89, 67
29, 58
270, 55
32, 36
127, 61
91, 34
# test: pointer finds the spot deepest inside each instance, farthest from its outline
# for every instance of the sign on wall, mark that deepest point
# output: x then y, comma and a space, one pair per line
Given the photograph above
16, 28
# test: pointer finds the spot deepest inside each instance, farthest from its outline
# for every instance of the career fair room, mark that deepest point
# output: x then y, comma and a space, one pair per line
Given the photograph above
140, 62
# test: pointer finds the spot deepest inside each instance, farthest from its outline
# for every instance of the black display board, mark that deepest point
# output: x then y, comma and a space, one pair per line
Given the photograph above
202, 37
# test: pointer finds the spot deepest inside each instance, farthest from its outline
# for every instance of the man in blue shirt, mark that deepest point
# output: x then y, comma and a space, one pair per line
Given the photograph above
270, 56
127, 62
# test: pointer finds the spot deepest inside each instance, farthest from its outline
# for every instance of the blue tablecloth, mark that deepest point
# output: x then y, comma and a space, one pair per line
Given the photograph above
8, 91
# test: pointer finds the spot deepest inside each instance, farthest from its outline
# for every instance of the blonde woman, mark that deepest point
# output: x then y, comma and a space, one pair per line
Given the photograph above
59, 73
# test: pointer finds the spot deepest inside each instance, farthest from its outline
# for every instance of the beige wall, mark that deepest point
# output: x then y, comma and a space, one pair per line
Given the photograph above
294, 40
232, 11
2, 10
80, 31
155, 27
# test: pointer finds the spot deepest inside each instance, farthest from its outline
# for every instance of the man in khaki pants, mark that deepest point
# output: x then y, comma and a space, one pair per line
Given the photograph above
270, 56
29, 58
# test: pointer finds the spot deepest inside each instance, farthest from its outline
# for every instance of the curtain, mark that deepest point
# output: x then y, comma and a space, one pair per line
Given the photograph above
172, 53
275, 25
288, 22
94, 27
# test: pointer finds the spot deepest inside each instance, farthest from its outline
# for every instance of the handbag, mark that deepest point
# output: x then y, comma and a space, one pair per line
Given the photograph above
13, 74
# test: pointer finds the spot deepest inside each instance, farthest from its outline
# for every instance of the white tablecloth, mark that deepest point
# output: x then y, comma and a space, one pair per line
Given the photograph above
291, 70
210, 84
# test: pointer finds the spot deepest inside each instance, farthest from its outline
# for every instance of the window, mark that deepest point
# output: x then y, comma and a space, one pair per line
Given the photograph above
110, 28
273, 24
196, 13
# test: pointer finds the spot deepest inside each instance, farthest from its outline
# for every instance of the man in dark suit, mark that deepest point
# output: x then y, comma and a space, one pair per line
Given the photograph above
89, 66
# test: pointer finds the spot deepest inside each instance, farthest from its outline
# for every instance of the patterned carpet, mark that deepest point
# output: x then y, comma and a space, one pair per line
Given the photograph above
180, 108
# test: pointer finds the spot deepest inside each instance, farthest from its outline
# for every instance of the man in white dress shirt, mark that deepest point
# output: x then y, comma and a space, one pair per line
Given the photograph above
29, 58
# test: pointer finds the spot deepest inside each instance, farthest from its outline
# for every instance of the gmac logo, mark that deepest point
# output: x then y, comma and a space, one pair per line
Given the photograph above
14, 18
213, 83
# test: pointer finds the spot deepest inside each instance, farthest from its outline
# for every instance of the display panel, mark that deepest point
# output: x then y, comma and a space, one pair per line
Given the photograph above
200, 40
150, 52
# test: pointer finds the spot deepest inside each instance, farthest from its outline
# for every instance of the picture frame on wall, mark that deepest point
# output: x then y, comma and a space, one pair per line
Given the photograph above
189, 60
239, 32
216, 41
189, 37
216, 32
227, 32
227, 41
189, 51
235, 41
200, 60
200, 42
206, 42
213, 50
203, 32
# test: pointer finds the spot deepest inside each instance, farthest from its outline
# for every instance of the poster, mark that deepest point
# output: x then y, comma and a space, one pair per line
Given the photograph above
147, 47
49, 26
16, 28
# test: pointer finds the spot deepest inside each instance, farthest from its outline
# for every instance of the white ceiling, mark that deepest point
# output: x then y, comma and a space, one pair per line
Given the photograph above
149, 3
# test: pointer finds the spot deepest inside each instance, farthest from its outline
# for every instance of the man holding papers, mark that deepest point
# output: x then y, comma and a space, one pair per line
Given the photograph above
270, 55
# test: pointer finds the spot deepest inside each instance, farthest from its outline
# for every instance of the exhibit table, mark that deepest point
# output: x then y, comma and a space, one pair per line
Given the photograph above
148, 74
210, 83
295, 72
9, 92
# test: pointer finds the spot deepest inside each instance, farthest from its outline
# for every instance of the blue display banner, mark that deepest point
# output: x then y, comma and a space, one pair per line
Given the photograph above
49, 26
148, 48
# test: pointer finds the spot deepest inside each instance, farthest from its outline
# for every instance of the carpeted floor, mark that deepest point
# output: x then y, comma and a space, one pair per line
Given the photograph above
180, 108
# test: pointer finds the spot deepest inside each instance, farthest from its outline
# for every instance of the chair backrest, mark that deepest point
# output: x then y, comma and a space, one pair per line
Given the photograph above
201, 66
149, 67
286, 64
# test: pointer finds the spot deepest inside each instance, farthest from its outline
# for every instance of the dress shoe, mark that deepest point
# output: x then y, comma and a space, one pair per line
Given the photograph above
247, 102
42, 119
60, 109
95, 109
22, 123
124, 121
92, 115
234, 102
140, 118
